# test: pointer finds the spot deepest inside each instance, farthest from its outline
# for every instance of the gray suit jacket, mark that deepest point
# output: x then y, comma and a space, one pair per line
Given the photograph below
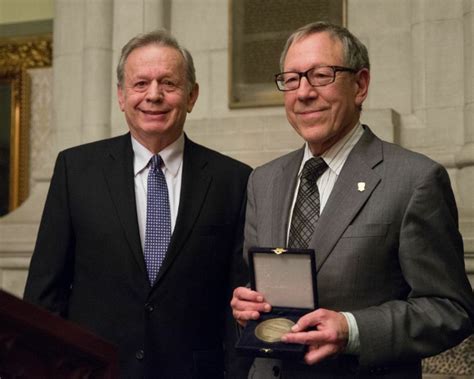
390, 254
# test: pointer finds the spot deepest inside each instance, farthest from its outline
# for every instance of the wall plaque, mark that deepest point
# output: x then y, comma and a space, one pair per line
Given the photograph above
258, 32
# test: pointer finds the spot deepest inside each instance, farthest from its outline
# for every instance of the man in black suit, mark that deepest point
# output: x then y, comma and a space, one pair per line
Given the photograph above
89, 262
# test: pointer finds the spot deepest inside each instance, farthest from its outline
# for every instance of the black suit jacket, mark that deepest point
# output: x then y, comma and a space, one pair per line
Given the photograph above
88, 263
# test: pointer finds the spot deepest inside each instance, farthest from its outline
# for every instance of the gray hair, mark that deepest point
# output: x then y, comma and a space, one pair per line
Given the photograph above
161, 38
355, 52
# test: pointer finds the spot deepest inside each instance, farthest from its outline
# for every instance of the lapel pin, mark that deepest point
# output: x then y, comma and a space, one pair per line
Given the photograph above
279, 250
361, 186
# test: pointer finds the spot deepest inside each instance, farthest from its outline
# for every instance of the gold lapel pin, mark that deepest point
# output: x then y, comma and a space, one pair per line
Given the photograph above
361, 186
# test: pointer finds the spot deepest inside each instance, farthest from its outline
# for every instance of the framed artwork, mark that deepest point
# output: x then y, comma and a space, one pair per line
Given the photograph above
14, 120
258, 32
17, 55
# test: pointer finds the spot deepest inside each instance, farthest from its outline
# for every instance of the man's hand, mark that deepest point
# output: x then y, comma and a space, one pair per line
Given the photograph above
327, 335
247, 305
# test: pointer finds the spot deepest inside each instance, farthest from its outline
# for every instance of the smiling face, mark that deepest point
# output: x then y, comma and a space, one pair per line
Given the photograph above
323, 115
155, 95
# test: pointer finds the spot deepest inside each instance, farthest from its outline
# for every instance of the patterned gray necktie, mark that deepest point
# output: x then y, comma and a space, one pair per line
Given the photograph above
306, 210
158, 219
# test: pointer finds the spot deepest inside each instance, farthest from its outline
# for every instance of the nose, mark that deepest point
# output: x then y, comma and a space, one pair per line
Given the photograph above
306, 91
154, 92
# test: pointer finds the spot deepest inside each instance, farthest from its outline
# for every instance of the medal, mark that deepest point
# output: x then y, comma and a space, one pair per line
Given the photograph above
273, 329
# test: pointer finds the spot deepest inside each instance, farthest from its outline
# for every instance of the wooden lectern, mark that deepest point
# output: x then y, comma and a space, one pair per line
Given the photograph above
37, 344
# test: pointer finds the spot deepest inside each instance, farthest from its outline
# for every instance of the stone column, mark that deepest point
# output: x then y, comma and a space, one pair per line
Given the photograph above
465, 157
131, 17
437, 79
82, 54
443, 99
96, 58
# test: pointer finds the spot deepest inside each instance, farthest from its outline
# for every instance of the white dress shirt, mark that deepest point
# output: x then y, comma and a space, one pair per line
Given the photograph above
335, 157
172, 156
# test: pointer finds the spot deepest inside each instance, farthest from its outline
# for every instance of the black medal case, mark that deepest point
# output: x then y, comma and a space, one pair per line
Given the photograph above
287, 280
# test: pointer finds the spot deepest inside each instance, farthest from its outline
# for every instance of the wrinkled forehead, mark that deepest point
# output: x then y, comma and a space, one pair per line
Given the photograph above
155, 52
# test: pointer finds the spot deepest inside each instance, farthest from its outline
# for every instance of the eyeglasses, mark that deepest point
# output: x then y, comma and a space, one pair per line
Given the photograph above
316, 76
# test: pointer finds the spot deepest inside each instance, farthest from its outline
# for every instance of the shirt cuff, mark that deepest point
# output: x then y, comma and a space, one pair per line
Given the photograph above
353, 341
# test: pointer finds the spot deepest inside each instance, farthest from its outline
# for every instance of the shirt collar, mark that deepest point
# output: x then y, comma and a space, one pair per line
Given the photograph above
172, 156
337, 154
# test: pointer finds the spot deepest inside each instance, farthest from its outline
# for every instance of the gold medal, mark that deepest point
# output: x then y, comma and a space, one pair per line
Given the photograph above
273, 329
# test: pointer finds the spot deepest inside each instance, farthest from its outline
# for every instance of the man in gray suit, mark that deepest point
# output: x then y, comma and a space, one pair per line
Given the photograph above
391, 279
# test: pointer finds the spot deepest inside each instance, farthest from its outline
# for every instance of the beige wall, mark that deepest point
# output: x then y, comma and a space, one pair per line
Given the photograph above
13, 11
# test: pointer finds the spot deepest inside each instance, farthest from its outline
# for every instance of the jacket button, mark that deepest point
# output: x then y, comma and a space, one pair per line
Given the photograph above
149, 307
276, 371
140, 354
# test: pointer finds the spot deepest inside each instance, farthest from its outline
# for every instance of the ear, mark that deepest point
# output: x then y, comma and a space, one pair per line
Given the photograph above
362, 80
121, 97
193, 95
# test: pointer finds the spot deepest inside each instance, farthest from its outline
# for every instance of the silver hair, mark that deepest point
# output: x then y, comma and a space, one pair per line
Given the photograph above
161, 38
355, 52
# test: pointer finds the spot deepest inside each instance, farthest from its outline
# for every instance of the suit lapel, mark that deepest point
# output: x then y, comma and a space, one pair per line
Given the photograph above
195, 183
346, 198
283, 191
118, 172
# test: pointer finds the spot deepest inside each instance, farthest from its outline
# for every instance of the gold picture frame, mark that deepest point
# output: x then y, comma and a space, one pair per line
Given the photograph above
16, 84
257, 33
17, 55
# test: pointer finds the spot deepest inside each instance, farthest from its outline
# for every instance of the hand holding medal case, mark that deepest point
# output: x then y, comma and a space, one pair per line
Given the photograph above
287, 280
